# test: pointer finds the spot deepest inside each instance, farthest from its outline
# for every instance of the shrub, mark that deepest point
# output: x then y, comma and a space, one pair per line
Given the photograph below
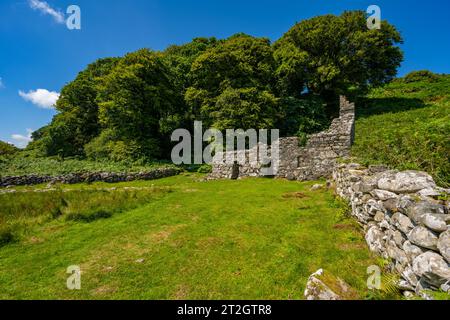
89, 216
205, 168
6, 236
423, 75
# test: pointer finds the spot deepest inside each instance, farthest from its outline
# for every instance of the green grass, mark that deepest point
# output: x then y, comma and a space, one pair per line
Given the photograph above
406, 125
19, 164
247, 239
21, 211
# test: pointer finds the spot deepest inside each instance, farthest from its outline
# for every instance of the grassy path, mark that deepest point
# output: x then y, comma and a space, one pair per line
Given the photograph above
249, 239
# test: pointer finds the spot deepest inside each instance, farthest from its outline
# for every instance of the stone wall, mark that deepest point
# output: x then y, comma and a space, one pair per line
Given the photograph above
109, 177
406, 219
313, 161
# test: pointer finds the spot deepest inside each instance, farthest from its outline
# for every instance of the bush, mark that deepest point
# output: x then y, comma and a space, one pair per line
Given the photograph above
6, 236
7, 149
89, 216
302, 116
423, 75
205, 168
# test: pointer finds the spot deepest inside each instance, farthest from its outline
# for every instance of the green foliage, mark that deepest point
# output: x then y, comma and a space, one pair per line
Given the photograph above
107, 146
7, 149
21, 212
405, 125
6, 236
180, 58
205, 168
232, 84
418, 76
23, 165
137, 99
343, 209
302, 116
89, 216
331, 55
77, 121
245, 108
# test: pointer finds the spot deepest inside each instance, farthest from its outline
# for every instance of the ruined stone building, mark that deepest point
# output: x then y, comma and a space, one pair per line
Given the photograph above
310, 162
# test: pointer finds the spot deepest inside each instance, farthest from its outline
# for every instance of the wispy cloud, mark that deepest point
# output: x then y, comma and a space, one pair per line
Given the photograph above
41, 97
45, 8
2, 85
22, 141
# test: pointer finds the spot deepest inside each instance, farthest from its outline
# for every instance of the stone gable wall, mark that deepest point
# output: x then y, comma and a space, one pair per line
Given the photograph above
313, 161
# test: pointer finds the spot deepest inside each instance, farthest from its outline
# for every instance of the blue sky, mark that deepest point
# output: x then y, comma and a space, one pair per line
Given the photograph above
37, 51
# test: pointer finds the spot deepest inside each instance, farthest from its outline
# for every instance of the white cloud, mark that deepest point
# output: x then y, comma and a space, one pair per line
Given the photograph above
2, 85
45, 8
41, 97
22, 141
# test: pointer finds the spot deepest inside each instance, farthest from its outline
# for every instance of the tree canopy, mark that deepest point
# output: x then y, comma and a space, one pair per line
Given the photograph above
330, 55
127, 107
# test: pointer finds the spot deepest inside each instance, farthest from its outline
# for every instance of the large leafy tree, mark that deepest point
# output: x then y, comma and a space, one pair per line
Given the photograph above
77, 120
138, 102
330, 55
232, 84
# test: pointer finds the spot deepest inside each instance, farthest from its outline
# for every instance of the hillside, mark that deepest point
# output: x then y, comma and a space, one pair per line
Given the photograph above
406, 125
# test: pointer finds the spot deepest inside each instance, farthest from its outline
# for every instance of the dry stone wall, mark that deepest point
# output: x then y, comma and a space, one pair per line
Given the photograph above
109, 177
406, 219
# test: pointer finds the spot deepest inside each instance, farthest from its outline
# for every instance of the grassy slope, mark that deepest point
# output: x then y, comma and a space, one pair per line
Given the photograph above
407, 126
249, 239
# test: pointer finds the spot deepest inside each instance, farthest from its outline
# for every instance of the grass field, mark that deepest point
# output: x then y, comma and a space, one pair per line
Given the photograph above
184, 239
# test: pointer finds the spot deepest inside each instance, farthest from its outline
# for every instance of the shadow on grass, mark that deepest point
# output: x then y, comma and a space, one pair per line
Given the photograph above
366, 107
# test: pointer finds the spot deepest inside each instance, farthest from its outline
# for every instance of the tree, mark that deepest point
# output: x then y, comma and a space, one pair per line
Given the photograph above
77, 120
232, 84
137, 101
331, 55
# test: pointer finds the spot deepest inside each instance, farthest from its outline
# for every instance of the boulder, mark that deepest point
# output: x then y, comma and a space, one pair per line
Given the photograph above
402, 222
430, 192
374, 239
379, 216
409, 275
434, 222
406, 181
404, 203
383, 194
327, 287
316, 187
433, 268
444, 245
423, 237
420, 209
396, 254
391, 205
412, 251
365, 186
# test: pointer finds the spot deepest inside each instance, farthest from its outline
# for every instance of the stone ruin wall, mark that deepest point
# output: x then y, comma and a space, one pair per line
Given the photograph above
313, 161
